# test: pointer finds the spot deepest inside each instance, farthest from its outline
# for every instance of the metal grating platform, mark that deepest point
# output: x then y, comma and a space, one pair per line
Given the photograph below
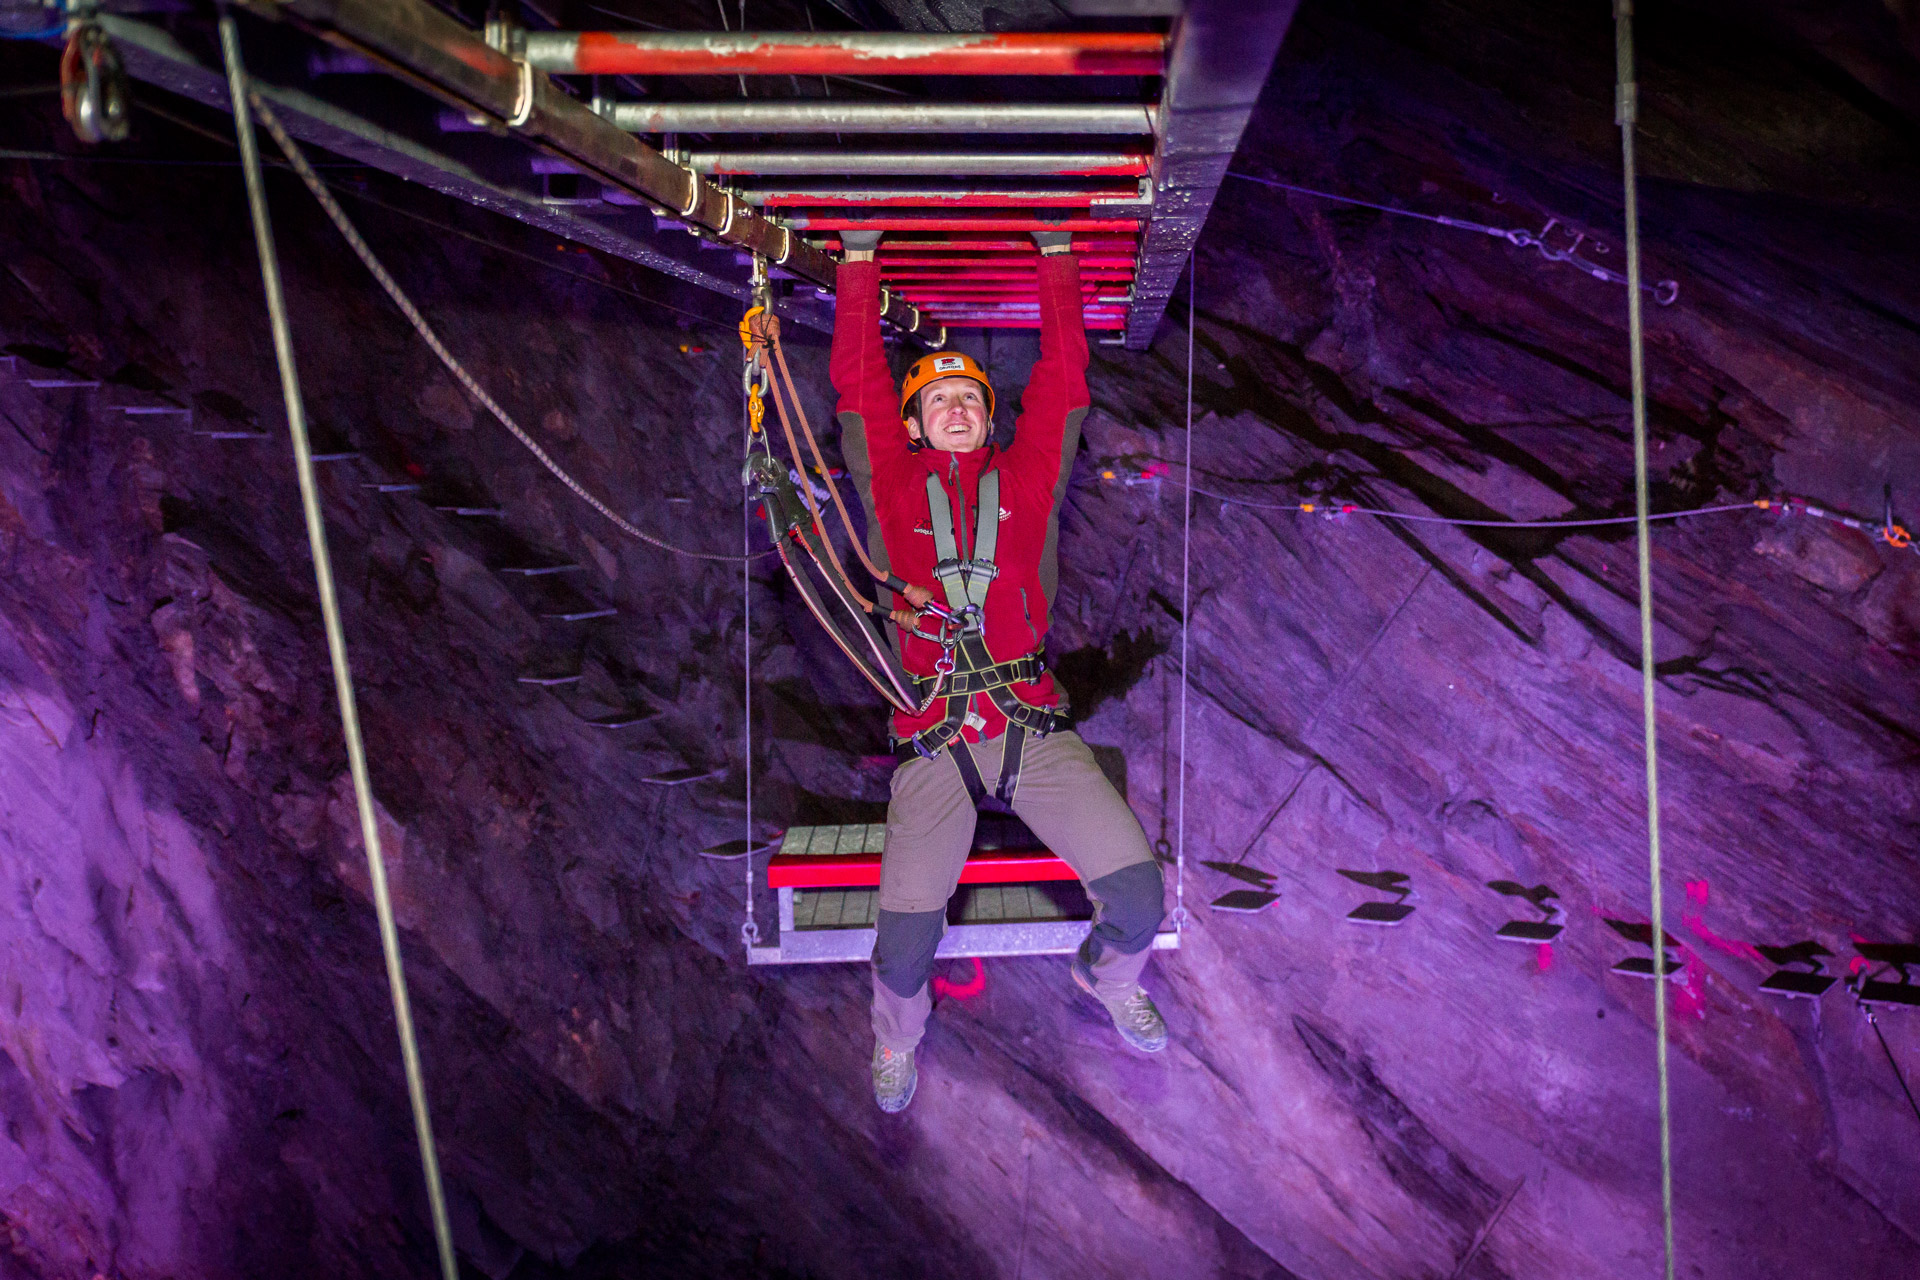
835, 925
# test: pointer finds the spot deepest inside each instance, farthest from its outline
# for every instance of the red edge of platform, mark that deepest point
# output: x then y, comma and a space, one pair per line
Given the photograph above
862, 870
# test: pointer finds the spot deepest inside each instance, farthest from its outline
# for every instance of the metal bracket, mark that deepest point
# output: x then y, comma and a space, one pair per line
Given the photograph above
523, 96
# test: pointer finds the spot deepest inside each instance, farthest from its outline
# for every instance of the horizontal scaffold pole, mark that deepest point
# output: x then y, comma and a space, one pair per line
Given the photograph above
943, 163
825, 116
853, 53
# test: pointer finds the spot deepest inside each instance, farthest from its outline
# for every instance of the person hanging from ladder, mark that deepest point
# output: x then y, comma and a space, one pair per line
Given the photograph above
976, 528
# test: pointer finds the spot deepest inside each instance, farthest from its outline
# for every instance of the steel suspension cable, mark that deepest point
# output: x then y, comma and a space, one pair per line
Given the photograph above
1186, 604
336, 643
298, 160
749, 930
1626, 113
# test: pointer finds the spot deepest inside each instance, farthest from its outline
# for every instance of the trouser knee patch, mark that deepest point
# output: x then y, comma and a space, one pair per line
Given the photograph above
1132, 905
903, 948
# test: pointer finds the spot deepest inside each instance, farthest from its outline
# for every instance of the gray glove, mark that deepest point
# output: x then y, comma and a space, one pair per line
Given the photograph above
1052, 239
861, 241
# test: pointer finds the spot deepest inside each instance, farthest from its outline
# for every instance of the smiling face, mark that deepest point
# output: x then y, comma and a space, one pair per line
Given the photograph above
955, 416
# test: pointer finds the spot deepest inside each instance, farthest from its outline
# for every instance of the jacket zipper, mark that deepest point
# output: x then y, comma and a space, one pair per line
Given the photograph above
1029, 612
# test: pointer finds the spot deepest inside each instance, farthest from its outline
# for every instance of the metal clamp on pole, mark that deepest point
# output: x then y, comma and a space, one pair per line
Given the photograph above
523, 95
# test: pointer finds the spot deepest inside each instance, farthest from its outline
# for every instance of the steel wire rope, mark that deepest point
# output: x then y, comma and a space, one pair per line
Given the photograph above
427, 334
1625, 113
336, 644
749, 929
1186, 605
1891, 1060
1664, 292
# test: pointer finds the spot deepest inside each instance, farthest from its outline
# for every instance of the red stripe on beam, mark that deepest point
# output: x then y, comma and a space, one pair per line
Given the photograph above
963, 322
910, 279
858, 870
1002, 199
1081, 244
991, 260
1040, 53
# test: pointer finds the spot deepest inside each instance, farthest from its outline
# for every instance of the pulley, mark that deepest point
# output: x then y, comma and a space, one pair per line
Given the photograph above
93, 86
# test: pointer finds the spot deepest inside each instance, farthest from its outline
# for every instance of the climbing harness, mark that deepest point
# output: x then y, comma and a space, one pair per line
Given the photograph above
1626, 113
1663, 292
970, 667
964, 667
336, 639
298, 160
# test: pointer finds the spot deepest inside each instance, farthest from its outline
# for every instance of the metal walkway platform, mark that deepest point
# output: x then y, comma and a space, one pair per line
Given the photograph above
1010, 903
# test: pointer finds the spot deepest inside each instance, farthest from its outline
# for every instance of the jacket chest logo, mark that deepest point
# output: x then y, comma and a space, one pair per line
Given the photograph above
1005, 515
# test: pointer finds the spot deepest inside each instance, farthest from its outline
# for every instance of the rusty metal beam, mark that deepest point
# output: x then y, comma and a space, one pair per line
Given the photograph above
1217, 62
430, 50
854, 53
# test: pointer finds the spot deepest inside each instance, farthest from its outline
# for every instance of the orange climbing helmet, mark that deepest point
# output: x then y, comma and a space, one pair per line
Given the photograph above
936, 365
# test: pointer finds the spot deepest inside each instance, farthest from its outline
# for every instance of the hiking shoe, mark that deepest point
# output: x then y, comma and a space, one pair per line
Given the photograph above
1134, 1015
893, 1078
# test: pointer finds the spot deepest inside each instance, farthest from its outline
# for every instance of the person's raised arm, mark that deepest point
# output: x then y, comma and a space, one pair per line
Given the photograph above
871, 435
1047, 432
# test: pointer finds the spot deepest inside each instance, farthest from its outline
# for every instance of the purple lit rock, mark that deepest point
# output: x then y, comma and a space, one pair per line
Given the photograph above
198, 1068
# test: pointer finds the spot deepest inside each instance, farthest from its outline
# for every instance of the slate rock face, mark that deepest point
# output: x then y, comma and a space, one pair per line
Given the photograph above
197, 1060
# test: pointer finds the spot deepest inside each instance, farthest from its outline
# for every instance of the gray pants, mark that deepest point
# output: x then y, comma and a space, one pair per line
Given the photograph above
1067, 802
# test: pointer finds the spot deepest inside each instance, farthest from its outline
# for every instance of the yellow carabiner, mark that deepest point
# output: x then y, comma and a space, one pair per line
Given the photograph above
756, 376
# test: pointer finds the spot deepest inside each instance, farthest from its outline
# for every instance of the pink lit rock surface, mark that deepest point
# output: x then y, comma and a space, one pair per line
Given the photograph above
198, 1069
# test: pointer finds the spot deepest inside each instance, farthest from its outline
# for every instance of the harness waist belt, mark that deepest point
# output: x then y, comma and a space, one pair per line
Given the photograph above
968, 681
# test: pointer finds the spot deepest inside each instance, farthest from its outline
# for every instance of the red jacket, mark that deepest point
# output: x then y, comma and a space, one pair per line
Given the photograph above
891, 478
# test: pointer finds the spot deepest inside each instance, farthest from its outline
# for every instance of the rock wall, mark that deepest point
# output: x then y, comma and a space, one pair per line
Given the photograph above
196, 1050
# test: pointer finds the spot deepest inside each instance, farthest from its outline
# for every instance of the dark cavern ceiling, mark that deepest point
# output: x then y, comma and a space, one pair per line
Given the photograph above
198, 1068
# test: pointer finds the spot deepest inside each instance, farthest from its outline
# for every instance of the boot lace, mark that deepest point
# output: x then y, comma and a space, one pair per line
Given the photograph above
893, 1068
1138, 1012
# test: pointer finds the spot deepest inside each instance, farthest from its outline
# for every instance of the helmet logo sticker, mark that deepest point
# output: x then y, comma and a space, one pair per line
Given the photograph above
949, 364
